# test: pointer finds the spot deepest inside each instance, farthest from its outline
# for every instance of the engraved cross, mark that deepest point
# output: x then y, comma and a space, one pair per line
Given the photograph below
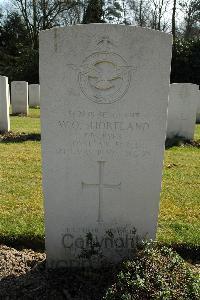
101, 186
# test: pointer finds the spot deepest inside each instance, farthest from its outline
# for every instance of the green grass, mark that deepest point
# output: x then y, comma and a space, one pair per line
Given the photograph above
21, 210
197, 132
21, 200
30, 124
179, 219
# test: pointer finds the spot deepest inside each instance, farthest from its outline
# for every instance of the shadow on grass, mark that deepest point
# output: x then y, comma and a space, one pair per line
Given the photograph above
186, 251
30, 115
36, 243
18, 115
12, 137
181, 142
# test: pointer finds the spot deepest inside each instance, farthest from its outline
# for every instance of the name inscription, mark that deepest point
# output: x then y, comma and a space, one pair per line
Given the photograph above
103, 133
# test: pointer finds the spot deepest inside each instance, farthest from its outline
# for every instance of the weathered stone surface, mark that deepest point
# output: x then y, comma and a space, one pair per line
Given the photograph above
34, 95
183, 98
4, 105
19, 97
104, 94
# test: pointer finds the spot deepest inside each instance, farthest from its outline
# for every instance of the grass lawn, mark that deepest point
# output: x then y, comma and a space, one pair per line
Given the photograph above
21, 200
30, 124
179, 219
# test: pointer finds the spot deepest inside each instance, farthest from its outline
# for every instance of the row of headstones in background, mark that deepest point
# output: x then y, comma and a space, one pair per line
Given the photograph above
23, 96
19, 93
183, 108
184, 99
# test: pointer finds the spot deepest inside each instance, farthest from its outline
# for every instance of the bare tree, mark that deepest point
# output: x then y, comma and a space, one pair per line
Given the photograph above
150, 13
191, 12
158, 12
43, 14
174, 19
141, 11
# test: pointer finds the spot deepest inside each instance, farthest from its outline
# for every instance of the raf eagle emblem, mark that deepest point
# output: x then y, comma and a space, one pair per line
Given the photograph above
104, 77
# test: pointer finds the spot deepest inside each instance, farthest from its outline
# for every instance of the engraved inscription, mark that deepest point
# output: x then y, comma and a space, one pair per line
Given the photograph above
101, 186
103, 133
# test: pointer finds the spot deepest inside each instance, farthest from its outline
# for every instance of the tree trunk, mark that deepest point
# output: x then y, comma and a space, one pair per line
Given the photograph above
44, 14
35, 35
174, 20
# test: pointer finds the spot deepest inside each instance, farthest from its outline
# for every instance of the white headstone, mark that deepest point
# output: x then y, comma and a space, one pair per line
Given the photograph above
4, 105
34, 95
198, 110
19, 97
104, 94
8, 93
182, 109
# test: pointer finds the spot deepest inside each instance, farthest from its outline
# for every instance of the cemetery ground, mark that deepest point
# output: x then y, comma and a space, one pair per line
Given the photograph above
22, 223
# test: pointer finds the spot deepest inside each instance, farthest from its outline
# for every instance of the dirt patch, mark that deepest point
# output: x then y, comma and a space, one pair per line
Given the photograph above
23, 276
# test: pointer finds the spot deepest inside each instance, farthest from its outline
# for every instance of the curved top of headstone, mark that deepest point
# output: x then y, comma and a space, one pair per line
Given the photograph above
102, 68
105, 25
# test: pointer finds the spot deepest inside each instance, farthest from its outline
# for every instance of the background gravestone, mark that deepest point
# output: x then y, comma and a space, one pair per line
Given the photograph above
34, 95
104, 94
4, 105
198, 110
19, 97
183, 99
8, 93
